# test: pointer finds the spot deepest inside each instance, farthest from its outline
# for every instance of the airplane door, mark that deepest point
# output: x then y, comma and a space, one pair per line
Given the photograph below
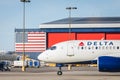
70, 49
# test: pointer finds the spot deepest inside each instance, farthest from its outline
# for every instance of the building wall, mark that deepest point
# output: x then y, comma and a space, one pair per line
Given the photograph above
54, 38
113, 36
59, 37
90, 36
37, 40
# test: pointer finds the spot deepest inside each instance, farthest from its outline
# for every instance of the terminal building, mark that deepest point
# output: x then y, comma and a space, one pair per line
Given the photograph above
90, 28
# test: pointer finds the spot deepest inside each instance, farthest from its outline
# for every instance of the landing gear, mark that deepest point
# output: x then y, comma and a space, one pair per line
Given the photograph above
60, 66
59, 72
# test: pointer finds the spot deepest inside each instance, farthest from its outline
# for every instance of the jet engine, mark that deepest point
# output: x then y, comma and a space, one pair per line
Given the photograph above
108, 64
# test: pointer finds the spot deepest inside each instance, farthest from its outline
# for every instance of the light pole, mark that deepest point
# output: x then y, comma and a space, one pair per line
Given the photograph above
24, 1
69, 9
69, 35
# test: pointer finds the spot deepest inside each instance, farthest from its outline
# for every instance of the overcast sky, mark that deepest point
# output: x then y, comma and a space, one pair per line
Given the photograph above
41, 11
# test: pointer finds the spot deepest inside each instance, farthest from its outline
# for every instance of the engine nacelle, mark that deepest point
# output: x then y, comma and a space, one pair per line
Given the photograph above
109, 64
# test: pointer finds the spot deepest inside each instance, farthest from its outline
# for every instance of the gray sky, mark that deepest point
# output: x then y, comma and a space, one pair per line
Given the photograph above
41, 11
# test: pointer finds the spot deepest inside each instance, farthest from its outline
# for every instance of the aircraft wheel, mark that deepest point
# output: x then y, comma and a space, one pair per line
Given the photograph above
59, 73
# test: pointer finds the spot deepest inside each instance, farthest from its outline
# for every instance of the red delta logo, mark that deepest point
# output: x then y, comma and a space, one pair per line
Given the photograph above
81, 44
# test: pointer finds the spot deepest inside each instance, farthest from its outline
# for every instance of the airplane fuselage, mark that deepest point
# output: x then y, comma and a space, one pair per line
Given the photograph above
80, 50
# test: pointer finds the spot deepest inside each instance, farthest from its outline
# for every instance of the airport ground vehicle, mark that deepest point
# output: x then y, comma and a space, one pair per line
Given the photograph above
4, 66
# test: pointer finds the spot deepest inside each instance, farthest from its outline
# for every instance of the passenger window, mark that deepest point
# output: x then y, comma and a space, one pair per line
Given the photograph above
89, 48
106, 47
117, 47
53, 48
96, 47
82, 48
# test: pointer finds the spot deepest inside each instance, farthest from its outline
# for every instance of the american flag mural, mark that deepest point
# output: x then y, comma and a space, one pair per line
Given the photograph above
34, 42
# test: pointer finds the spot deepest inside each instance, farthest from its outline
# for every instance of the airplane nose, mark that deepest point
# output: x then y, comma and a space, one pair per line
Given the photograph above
41, 57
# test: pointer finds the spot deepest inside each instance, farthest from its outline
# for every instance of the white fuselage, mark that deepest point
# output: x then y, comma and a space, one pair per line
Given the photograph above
80, 50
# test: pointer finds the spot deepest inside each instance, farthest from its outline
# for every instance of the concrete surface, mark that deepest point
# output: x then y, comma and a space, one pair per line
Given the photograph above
49, 73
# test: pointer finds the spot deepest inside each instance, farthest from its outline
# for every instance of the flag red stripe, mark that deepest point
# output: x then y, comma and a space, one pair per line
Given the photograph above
30, 50
36, 35
31, 44
29, 38
36, 41
29, 47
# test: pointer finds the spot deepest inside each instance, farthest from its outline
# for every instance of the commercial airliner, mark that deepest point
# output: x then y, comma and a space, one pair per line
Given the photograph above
105, 52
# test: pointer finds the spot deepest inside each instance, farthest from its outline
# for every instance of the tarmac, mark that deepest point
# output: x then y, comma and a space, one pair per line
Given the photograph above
49, 73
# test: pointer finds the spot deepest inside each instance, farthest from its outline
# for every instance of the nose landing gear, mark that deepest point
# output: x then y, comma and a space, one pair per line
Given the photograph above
59, 72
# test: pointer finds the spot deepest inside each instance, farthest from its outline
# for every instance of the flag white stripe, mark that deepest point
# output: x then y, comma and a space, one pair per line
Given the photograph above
30, 49
31, 43
39, 35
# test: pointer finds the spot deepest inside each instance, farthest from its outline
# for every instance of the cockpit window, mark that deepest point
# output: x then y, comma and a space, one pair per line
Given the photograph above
53, 48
